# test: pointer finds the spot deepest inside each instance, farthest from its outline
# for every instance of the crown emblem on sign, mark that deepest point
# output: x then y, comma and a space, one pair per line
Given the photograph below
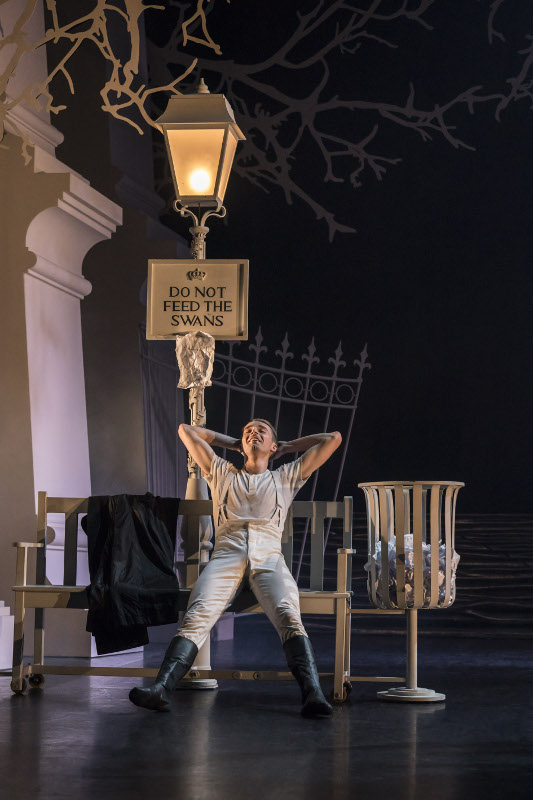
196, 275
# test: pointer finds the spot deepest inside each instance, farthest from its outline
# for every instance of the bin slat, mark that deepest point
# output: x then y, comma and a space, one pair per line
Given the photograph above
399, 525
418, 574
435, 534
424, 513
448, 540
407, 507
371, 516
384, 532
452, 544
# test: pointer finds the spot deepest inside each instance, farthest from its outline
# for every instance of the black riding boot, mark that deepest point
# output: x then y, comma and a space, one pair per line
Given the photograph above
178, 660
301, 661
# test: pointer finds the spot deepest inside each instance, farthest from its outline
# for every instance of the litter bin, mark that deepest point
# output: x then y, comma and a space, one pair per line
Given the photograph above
411, 559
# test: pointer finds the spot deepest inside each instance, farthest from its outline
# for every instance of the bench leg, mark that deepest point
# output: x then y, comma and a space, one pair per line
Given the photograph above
38, 637
348, 639
339, 691
341, 686
18, 684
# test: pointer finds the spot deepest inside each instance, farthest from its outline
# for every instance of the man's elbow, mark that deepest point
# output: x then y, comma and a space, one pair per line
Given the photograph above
336, 437
183, 430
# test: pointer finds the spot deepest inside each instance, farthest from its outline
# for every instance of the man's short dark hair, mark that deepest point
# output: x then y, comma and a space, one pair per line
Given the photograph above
265, 422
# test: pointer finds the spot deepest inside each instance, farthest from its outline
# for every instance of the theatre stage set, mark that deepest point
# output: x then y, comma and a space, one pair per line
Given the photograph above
317, 215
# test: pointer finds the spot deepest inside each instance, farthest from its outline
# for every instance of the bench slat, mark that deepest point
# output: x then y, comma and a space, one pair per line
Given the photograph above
67, 505
317, 547
287, 539
71, 548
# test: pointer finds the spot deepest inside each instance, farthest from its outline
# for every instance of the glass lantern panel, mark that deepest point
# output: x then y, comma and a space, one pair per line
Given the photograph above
196, 155
226, 166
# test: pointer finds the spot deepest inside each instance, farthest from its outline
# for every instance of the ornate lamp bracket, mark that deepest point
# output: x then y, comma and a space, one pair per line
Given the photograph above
199, 230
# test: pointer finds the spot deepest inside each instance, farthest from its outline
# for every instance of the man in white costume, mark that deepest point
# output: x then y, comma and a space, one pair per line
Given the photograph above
250, 506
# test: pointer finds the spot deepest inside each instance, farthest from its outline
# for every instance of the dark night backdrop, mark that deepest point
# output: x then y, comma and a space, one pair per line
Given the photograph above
437, 278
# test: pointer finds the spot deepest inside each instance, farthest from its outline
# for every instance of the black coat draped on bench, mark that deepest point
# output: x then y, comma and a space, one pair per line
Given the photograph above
131, 544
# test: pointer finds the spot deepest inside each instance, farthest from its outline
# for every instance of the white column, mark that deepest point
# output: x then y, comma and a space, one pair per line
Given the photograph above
60, 236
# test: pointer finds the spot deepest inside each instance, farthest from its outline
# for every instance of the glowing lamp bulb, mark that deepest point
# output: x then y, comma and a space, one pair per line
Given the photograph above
200, 180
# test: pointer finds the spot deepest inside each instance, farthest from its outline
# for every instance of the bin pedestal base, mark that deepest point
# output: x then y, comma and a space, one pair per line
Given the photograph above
404, 695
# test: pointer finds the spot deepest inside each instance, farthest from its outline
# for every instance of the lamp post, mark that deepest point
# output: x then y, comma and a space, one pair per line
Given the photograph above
201, 138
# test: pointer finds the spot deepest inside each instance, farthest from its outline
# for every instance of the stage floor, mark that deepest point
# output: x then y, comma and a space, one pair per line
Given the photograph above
81, 737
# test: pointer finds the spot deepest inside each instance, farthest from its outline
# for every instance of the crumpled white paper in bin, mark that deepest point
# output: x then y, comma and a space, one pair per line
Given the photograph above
195, 353
409, 573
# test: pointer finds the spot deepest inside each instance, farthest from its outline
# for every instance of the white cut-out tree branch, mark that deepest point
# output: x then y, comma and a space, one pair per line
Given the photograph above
276, 121
123, 94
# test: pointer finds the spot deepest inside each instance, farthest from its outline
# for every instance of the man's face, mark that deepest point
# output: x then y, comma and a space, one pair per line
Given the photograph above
257, 439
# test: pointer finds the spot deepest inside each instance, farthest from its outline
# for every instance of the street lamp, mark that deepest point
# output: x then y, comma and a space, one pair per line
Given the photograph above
201, 137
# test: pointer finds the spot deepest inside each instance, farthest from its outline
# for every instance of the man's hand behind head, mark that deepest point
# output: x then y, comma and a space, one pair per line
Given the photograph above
283, 449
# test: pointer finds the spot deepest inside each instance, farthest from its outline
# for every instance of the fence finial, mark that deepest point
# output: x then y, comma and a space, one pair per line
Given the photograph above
257, 346
337, 361
361, 362
284, 352
310, 357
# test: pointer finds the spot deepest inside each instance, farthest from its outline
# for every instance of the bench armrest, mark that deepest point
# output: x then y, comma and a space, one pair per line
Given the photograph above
28, 544
22, 560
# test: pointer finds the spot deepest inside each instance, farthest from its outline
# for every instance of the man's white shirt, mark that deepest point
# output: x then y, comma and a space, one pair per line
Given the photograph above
253, 497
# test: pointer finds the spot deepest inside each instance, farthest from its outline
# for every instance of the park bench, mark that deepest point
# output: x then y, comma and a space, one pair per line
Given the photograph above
41, 595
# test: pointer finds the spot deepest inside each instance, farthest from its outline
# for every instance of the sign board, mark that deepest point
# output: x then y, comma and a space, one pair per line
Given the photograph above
187, 295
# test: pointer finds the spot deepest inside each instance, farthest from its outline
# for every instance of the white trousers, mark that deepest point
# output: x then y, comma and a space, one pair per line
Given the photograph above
274, 588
